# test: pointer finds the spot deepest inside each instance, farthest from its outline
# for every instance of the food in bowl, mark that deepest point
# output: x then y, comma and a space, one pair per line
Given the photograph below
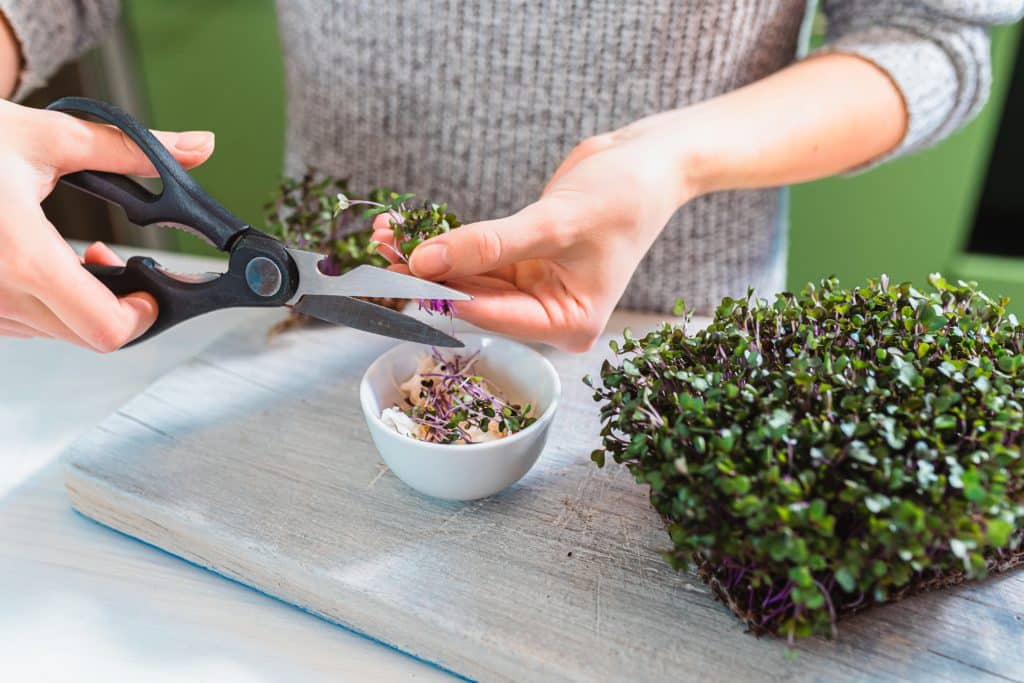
470, 471
446, 402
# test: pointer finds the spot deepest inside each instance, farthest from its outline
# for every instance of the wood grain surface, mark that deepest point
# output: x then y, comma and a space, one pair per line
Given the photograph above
253, 460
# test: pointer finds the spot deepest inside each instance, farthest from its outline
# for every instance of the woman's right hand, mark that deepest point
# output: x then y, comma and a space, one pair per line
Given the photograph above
44, 290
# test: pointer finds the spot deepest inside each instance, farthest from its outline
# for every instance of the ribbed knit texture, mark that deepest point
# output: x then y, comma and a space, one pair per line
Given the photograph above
52, 32
476, 102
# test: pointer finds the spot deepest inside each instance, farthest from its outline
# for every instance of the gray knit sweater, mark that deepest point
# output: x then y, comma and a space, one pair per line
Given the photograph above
499, 92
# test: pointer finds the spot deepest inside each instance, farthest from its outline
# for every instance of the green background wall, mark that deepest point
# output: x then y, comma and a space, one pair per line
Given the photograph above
909, 217
217, 65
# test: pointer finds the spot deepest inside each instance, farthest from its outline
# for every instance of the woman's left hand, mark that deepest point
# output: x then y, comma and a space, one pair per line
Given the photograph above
554, 271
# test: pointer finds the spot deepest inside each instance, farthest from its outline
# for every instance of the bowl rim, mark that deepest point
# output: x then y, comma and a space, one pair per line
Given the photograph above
365, 392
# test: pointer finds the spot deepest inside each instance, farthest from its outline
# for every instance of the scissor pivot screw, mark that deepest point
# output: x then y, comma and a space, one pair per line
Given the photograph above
263, 276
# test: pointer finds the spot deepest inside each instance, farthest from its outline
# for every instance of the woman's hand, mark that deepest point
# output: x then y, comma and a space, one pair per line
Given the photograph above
44, 291
554, 271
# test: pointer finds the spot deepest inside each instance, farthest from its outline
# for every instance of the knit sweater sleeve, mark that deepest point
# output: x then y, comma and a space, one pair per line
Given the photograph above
935, 51
52, 32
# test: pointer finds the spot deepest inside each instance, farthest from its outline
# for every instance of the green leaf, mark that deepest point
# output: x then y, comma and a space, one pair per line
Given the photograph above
845, 579
908, 375
860, 452
959, 548
801, 576
877, 503
998, 532
932, 317
780, 418
973, 489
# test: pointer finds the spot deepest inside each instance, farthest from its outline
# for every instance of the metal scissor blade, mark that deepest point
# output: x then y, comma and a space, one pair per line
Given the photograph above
363, 315
368, 281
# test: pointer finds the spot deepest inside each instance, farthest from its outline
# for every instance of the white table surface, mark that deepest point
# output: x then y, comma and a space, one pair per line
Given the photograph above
81, 602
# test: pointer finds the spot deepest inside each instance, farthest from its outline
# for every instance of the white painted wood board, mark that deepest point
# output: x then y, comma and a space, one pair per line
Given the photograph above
253, 460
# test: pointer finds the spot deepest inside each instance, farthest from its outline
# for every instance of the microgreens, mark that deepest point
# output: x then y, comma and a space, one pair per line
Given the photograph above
410, 226
442, 306
831, 449
317, 212
304, 213
453, 404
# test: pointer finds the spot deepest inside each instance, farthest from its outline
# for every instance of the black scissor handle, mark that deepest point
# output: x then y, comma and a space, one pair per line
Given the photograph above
181, 202
260, 274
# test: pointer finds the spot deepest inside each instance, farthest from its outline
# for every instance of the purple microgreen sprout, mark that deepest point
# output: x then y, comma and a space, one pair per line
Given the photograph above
442, 306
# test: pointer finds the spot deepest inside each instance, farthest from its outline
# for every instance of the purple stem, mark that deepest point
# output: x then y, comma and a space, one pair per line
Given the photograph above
776, 612
442, 306
828, 600
781, 595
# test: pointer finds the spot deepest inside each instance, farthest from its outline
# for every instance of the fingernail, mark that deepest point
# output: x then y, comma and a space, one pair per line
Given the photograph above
431, 260
194, 141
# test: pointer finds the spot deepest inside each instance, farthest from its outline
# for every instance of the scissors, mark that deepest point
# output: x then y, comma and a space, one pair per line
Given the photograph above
262, 271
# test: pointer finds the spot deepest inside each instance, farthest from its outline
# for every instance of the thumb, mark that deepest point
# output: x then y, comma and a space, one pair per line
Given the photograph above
77, 145
488, 245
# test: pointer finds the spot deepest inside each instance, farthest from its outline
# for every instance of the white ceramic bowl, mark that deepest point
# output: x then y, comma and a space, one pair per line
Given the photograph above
464, 471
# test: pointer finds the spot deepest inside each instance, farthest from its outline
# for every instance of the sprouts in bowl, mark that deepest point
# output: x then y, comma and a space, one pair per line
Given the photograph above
474, 468
447, 400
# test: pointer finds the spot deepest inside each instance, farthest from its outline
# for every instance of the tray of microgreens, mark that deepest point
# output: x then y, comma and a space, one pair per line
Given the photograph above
830, 450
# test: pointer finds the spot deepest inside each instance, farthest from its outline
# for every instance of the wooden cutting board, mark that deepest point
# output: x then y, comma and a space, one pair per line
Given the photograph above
253, 460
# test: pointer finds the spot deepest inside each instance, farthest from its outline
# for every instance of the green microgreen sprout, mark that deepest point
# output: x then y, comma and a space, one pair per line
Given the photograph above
315, 212
410, 228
